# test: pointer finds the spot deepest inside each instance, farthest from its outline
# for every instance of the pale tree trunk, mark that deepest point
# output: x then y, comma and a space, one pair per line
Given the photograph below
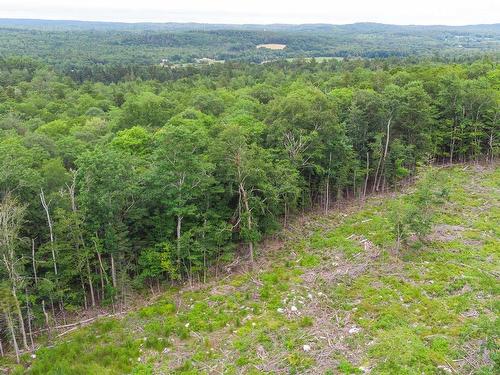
452, 132
89, 278
386, 149
113, 271
82, 284
244, 198
71, 193
11, 218
374, 186
367, 173
102, 272
22, 328
46, 315
34, 260
71, 190
1, 348
49, 222
178, 240
28, 312
327, 200
10, 325
51, 233
490, 146
13, 279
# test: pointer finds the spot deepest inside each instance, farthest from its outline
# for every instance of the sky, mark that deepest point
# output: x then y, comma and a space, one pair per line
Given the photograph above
402, 12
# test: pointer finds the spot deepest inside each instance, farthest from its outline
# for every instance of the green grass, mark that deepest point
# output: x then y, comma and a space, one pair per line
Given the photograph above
326, 303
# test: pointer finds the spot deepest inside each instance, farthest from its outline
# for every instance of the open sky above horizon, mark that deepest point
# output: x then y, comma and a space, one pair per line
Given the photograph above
422, 12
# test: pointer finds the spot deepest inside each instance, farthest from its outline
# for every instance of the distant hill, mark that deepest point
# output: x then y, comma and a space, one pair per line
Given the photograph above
67, 44
174, 26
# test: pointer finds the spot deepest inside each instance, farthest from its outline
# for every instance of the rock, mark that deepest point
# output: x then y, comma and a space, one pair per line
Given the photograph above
280, 310
354, 330
294, 308
306, 348
445, 369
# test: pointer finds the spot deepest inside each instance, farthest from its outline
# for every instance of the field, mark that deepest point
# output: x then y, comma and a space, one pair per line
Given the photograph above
331, 295
272, 46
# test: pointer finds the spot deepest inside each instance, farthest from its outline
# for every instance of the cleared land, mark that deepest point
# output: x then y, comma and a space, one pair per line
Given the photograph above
272, 46
330, 296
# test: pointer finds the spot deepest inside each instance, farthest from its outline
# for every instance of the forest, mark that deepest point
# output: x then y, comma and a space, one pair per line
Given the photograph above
72, 46
110, 189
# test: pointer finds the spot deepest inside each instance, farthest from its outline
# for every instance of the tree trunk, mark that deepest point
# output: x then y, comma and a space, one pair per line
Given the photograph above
327, 202
327, 198
374, 186
34, 260
46, 317
113, 271
10, 325
82, 284
452, 146
386, 148
28, 313
367, 173
22, 328
102, 272
51, 232
92, 296
49, 222
244, 198
178, 241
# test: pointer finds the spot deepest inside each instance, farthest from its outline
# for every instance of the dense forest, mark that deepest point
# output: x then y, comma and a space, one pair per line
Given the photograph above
108, 187
73, 45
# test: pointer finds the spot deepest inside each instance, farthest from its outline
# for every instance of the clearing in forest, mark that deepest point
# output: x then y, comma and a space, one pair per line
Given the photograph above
336, 297
272, 46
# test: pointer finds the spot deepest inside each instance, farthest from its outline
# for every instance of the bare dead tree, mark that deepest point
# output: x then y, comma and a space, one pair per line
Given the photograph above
51, 232
11, 220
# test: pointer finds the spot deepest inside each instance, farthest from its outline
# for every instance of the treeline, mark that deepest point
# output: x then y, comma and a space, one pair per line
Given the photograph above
107, 188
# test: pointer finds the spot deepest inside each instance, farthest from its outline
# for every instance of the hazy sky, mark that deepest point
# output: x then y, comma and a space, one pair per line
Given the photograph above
449, 12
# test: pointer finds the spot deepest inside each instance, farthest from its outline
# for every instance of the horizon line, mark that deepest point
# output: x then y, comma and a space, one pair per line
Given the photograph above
241, 24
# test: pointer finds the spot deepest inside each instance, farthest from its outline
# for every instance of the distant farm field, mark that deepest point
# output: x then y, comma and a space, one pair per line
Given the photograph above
272, 46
